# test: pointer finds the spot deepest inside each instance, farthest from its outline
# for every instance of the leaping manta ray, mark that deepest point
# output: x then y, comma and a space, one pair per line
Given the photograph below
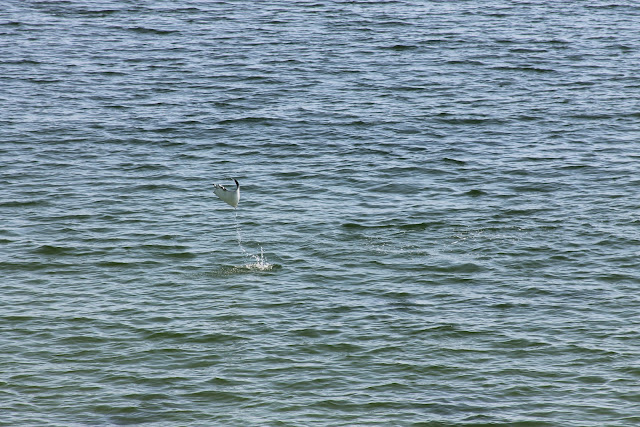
232, 197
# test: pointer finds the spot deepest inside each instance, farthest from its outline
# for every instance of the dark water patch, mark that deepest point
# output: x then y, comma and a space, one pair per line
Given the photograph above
170, 251
135, 166
618, 278
592, 116
225, 382
527, 118
464, 268
25, 266
54, 250
141, 141
96, 13
43, 80
25, 203
314, 332
406, 88
591, 379
418, 226
527, 50
82, 340
475, 193
21, 62
114, 107
295, 175
363, 226
466, 62
19, 318
525, 69
129, 264
400, 47
179, 255
633, 8
153, 187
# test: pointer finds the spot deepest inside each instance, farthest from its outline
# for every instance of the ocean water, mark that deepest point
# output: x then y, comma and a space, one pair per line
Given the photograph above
439, 222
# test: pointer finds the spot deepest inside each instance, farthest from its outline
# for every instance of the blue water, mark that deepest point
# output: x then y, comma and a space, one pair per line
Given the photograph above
438, 225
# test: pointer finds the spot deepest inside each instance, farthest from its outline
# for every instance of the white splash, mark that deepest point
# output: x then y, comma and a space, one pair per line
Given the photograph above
260, 260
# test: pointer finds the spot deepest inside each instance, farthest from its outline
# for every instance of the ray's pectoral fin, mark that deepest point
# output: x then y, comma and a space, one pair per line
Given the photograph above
228, 196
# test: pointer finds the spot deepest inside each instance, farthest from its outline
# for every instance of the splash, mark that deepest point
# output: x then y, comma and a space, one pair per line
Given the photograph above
260, 260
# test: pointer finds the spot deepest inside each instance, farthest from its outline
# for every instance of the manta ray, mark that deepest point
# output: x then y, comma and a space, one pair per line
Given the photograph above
232, 197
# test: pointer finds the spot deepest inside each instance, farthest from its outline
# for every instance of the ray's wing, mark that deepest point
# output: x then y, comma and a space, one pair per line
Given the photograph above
228, 196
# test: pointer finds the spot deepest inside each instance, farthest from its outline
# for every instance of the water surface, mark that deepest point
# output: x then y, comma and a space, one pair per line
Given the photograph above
438, 225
